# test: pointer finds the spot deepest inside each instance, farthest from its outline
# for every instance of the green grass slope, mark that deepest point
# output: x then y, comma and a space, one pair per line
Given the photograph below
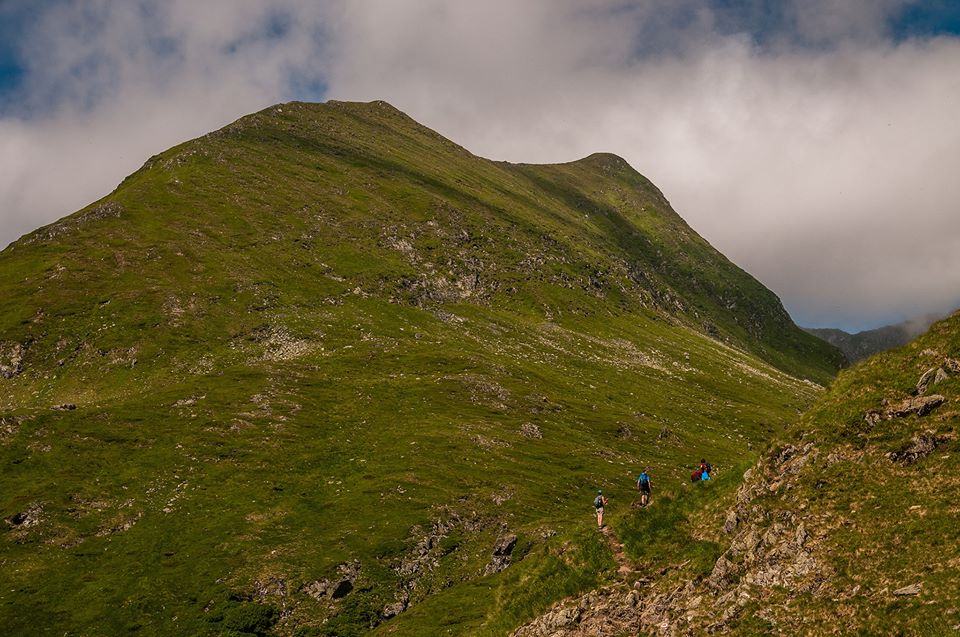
299, 375
879, 496
849, 525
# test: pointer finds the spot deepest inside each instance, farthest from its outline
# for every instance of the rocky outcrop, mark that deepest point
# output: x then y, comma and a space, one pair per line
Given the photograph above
932, 376
336, 587
11, 359
27, 518
920, 405
425, 556
919, 447
530, 430
502, 550
70, 224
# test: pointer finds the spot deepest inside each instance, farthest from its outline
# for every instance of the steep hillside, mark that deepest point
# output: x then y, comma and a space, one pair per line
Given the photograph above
848, 526
324, 370
858, 346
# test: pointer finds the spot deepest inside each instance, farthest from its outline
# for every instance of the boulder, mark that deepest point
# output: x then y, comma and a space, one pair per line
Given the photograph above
932, 376
919, 447
921, 406
913, 589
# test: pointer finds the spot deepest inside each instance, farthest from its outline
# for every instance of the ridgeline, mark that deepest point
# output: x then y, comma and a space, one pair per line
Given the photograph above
323, 372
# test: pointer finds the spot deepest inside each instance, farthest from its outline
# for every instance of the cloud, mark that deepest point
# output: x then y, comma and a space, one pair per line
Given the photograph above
827, 171
800, 138
107, 84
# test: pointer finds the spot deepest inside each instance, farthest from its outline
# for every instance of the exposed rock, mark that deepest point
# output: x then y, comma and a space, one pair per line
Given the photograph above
11, 359
25, 519
336, 588
502, 551
919, 447
730, 524
667, 434
9, 427
64, 407
932, 376
913, 589
74, 221
530, 430
394, 609
425, 556
921, 406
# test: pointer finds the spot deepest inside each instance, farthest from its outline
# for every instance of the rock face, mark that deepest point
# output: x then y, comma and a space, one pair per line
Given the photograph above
502, 550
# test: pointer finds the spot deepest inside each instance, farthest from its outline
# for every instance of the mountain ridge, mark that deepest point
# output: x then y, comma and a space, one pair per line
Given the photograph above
866, 343
314, 370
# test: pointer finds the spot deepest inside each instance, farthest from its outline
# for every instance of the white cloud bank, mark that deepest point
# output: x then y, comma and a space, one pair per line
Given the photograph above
823, 162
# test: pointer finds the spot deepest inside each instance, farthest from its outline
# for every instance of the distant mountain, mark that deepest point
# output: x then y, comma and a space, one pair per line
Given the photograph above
324, 371
869, 342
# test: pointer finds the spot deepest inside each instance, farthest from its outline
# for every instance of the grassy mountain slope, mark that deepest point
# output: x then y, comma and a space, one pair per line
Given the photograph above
304, 372
869, 473
847, 526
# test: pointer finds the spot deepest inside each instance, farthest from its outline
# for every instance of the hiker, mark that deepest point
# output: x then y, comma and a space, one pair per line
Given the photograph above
705, 469
643, 486
598, 503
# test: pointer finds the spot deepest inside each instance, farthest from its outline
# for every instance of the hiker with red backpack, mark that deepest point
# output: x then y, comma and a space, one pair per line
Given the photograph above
702, 473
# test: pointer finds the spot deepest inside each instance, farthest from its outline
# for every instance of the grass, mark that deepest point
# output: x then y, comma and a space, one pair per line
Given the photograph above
311, 337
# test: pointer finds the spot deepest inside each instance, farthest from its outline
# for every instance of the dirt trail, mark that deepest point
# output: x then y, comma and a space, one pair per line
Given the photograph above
624, 566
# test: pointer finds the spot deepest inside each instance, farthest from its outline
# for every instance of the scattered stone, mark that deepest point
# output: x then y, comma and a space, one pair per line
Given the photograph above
9, 426
64, 407
913, 589
25, 519
11, 359
530, 430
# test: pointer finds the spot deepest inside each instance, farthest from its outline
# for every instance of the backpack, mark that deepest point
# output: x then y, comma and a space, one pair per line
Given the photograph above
598, 502
644, 479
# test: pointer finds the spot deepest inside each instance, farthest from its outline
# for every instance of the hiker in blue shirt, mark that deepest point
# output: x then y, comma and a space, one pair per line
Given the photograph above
644, 487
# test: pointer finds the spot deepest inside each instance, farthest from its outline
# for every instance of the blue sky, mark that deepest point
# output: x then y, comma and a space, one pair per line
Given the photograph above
814, 142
